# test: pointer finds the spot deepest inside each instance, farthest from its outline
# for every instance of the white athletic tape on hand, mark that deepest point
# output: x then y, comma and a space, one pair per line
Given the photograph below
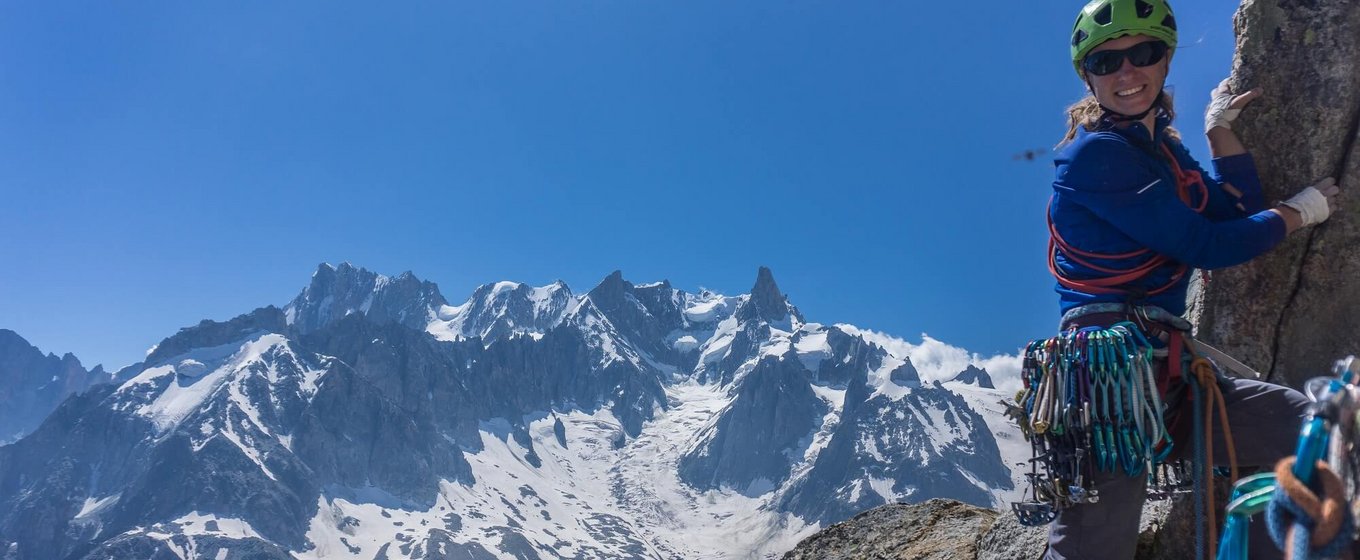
1312, 206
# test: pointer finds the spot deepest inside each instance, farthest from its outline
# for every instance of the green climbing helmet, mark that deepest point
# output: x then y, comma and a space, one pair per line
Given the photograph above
1102, 20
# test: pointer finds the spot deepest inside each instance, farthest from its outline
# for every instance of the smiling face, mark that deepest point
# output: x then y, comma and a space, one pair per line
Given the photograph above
1130, 90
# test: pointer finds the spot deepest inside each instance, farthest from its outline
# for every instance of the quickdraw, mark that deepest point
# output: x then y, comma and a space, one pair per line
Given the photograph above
1090, 403
1309, 497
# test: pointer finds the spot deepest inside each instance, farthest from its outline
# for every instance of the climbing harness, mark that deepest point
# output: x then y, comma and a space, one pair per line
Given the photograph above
1090, 403
1093, 402
1119, 280
1308, 498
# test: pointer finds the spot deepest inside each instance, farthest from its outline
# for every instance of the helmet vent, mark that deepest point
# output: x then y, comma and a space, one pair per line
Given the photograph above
1169, 21
1144, 8
1078, 37
1102, 17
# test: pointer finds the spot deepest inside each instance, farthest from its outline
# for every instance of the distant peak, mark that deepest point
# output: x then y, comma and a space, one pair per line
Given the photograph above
906, 374
610, 292
974, 375
557, 286
11, 338
325, 272
506, 285
766, 297
336, 291
612, 284
346, 276
493, 291
765, 283
13, 342
328, 268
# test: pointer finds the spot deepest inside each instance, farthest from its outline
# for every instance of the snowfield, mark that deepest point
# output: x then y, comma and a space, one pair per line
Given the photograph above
584, 488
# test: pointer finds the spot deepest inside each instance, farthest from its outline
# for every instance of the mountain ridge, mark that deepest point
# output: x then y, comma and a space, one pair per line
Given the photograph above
33, 383
372, 399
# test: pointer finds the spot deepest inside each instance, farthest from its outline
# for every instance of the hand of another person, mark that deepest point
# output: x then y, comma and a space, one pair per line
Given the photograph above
1314, 204
1224, 106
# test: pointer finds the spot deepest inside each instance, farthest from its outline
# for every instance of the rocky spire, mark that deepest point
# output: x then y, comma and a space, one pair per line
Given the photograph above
767, 302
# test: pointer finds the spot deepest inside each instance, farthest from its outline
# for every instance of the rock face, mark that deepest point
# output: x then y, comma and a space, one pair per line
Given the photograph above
1291, 312
935, 529
912, 449
503, 309
337, 291
906, 375
142, 546
768, 302
1166, 531
750, 445
33, 384
957, 531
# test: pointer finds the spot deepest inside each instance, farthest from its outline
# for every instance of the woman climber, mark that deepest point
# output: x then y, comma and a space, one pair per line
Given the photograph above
1132, 215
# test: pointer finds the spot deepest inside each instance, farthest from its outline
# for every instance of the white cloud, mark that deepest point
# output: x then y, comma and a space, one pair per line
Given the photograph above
938, 360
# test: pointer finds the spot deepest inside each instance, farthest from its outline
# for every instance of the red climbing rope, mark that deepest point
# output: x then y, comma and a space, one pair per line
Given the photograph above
1115, 278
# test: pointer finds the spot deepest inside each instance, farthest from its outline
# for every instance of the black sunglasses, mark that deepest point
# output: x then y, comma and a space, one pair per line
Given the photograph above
1108, 62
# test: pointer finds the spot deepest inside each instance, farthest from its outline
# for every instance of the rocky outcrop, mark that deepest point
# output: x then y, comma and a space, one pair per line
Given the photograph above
935, 529
1165, 532
1289, 313
957, 531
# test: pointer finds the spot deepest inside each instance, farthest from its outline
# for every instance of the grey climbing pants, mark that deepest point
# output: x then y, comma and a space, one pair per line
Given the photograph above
1264, 420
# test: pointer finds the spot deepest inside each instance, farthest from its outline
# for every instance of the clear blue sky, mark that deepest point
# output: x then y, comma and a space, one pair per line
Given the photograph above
167, 162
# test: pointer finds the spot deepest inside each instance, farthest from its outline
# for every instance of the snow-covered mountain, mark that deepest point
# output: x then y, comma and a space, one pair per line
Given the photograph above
370, 418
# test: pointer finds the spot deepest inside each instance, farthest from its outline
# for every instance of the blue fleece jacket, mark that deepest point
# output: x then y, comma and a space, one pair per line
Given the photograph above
1115, 193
